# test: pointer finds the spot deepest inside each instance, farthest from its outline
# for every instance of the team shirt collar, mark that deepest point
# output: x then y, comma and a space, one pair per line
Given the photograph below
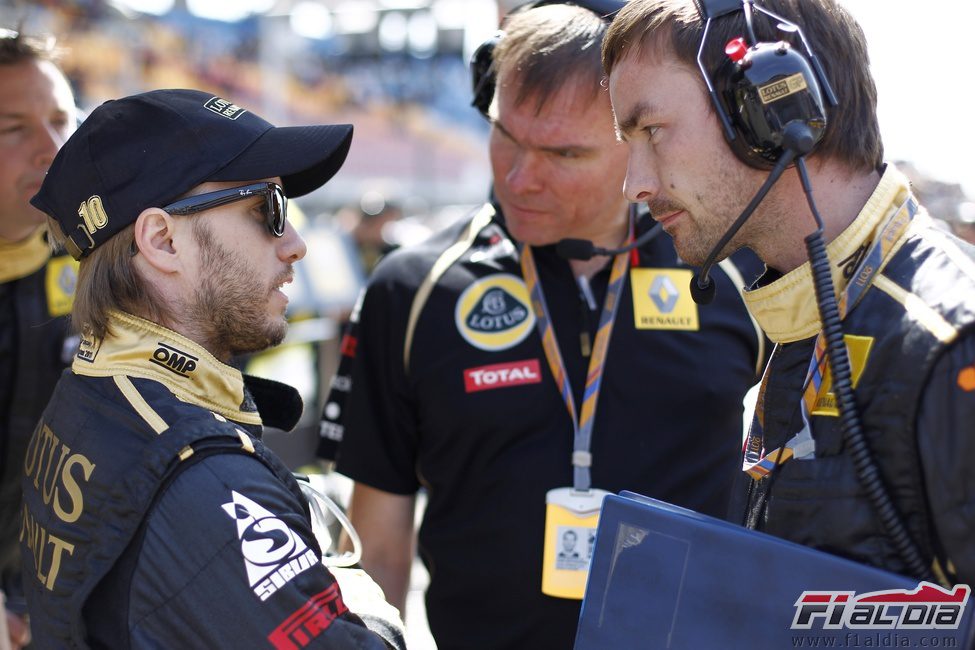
139, 348
20, 259
786, 307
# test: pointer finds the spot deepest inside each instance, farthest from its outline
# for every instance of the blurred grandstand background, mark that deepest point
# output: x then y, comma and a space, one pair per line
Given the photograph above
395, 68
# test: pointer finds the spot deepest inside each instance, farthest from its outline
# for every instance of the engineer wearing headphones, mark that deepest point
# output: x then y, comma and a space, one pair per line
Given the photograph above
862, 449
466, 367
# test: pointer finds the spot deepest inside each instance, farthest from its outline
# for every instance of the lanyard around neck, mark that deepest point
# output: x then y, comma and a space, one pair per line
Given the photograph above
757, 464
582, 426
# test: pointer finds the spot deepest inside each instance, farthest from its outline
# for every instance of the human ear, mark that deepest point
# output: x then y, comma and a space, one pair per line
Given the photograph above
154, 234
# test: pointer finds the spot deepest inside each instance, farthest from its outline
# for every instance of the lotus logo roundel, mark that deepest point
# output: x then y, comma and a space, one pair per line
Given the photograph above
495, 312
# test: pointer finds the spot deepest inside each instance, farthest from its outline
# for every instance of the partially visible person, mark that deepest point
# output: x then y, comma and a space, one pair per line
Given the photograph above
37, 114
369, 228
153, 514
882, 473
457, 386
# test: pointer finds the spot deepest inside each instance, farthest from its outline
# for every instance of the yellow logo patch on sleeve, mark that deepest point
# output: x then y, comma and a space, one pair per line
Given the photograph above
60, 282
662, 300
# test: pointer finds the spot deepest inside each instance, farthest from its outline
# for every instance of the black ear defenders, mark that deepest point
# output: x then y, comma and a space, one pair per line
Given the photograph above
763, 90
770, 102
483, 77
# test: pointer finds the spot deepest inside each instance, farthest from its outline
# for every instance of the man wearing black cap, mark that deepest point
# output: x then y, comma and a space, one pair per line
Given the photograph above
153, 516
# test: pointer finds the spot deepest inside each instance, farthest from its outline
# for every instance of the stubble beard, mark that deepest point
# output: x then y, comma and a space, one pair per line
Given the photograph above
693, 237
696, 248
229, 307
726, 204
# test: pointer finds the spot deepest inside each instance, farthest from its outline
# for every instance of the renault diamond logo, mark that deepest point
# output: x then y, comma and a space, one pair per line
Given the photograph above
664, 294
658, 304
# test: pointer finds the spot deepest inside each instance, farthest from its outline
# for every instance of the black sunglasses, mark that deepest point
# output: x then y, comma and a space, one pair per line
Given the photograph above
275, 203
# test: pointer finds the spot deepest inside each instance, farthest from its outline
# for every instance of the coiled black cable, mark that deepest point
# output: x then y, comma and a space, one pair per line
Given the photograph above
839, 364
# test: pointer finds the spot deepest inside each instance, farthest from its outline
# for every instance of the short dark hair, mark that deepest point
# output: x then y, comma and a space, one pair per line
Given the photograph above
545, 46
17, 47
674, 27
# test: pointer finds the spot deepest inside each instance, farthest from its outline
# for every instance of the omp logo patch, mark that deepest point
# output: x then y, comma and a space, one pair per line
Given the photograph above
60, 281
858, 349
224, 108
174, 360
502, 375
662, 300
494, 313
782, 88
273, 554
308, 621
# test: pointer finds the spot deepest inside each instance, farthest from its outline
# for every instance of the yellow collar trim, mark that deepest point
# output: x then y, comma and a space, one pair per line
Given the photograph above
786, 309
138, 348
20, 259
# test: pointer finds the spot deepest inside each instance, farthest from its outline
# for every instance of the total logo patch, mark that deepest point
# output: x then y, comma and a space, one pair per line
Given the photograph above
273, 554
495, 312
502, 375
662, 300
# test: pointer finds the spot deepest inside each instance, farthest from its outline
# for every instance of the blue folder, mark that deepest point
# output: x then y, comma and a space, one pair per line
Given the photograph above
667, 577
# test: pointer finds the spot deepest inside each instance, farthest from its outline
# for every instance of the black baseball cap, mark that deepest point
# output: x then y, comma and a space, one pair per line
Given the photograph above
149, 149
